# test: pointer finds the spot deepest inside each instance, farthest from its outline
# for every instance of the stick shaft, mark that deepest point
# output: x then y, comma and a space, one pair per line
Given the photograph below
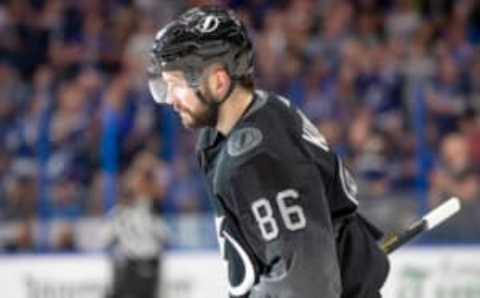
429, 221
395, 241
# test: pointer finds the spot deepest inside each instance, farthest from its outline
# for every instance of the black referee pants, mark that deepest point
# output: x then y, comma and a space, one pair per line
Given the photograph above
135, 279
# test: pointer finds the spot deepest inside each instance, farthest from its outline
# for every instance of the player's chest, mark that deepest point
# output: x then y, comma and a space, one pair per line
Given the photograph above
217, 173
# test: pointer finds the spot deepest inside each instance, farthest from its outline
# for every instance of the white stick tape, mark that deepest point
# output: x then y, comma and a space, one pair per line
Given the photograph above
442, 212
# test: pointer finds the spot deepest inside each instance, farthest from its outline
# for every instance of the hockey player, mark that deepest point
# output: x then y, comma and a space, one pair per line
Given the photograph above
285, 203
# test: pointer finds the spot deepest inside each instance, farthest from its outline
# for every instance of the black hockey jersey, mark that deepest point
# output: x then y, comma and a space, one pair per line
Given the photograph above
282, 198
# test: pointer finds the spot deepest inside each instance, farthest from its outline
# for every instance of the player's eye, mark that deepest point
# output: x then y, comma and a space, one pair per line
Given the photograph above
177, 89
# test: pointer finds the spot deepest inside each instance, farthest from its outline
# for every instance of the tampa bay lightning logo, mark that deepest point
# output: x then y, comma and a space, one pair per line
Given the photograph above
161, 33
244, 140
208, 24
248, 280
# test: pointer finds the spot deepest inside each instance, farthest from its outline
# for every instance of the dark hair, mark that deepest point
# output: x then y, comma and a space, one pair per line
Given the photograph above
247, 82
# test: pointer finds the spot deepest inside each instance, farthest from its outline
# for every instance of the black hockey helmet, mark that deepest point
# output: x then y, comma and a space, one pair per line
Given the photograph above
198, 38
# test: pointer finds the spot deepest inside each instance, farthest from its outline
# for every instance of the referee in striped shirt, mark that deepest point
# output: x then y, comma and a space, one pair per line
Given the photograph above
138, 233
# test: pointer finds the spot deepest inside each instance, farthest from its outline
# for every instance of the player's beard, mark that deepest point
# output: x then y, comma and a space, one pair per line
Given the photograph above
207, 116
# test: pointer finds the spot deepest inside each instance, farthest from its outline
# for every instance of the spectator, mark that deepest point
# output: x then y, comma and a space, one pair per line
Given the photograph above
24, 238
74, 102
446, 100
21, 191
64, 240
454, 175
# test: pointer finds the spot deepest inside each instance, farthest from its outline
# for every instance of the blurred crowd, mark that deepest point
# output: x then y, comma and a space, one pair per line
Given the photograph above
394, 85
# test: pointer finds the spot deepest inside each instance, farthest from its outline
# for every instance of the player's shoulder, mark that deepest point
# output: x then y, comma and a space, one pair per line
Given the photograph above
286, 133
276, 110
266, 127
244, 146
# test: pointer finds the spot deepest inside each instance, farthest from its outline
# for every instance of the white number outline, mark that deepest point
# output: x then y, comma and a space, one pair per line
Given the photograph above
286, 213
263, 220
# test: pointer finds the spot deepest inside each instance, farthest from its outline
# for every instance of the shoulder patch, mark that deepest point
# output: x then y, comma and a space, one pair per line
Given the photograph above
244, 140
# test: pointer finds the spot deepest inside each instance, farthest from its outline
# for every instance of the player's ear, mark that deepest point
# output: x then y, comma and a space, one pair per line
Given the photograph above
219, 82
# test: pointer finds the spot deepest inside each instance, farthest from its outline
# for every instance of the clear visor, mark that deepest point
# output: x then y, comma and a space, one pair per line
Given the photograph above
164, 93
159, 90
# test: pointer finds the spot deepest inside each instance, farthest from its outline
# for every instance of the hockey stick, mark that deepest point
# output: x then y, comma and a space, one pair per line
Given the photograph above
426, 223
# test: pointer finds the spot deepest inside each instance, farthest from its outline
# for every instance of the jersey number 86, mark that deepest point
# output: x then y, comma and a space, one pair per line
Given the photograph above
291, 214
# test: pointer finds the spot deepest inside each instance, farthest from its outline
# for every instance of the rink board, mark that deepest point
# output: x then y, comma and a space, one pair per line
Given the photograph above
419, 272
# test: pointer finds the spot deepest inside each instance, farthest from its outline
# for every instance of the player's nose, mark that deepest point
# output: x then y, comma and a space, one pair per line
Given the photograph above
174, 102
171, 99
